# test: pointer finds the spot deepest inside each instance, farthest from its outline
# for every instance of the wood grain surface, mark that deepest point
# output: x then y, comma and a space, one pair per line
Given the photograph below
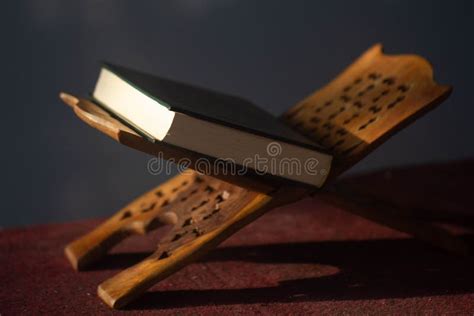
371, 100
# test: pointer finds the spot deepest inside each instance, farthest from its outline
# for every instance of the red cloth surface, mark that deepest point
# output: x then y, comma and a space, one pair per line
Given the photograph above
306, 258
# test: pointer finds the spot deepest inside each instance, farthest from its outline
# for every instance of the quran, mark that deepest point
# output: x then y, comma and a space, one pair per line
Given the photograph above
209, 123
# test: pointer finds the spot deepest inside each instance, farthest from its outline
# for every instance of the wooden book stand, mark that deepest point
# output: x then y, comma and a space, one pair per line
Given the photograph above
372, 99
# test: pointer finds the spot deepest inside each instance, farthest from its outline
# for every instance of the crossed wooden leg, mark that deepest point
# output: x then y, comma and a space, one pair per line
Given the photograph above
203, 211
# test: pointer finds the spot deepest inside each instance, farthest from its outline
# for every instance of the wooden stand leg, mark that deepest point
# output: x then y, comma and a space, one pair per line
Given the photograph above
391, 216
130, 283
203, 210
94, 245
147, 212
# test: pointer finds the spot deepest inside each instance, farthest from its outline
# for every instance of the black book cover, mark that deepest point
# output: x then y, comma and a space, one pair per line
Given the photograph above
208, 105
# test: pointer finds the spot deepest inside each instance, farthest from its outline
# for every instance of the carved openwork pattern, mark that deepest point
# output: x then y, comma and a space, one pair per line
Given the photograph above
367, 103
198, 204
335, 122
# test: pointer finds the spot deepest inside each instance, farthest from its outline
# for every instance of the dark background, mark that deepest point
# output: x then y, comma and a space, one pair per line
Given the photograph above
273, 52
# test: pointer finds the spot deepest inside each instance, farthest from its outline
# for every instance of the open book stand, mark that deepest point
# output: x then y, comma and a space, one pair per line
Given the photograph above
371, 100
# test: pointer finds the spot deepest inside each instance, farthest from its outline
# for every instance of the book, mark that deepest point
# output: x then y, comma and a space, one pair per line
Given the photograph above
210, 123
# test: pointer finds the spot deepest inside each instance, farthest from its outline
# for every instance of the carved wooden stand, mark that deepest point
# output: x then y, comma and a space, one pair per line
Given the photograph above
372, 99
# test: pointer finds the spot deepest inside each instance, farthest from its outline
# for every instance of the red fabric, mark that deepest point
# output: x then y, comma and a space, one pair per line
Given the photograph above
305, 258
